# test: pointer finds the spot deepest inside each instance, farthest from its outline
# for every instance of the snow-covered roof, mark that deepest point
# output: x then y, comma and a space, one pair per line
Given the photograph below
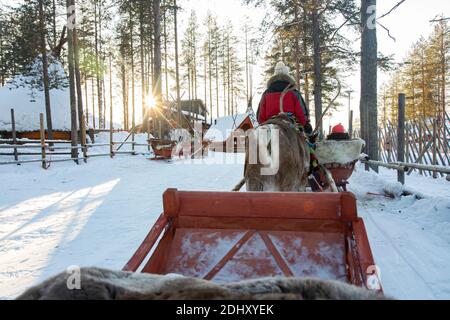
223, 127
25, 95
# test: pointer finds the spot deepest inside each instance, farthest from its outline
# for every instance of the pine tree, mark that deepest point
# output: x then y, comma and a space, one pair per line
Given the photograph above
423, 76
309, 40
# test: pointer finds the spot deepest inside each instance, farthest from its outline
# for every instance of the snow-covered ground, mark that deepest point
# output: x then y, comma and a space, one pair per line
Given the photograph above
410, 238
97, 214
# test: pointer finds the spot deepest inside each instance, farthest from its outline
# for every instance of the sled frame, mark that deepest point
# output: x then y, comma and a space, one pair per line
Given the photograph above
255, 214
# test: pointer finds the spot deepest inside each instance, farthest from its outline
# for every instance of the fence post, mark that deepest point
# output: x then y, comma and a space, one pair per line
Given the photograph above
43, 146
435, 175
150, 125
14, 134
350, 129
111, 134
133, 139
83, 137
401, 135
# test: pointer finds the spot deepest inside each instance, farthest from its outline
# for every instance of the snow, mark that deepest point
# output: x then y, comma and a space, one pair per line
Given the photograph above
409, 236
309, 255
251, 256
97, 214
205, 247
25, 95
223, 127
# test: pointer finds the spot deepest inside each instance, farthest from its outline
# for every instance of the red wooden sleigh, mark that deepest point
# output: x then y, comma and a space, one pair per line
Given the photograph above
227, 237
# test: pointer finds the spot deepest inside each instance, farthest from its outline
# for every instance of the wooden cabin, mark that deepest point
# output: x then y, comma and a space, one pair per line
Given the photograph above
36, 135
160, 122
28, 102
227, 134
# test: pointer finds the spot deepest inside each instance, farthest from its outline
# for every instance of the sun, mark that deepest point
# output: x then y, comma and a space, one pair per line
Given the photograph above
150, 101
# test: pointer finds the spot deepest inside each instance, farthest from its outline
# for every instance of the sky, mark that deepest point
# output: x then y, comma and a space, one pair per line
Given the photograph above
407, 24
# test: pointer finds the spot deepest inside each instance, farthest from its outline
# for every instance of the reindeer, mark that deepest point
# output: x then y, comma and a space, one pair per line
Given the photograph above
277, 156
282, 161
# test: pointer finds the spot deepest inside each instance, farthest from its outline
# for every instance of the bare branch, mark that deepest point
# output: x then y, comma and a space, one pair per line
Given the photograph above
342, 25
316, 130
392, 9
388, 31
440, 19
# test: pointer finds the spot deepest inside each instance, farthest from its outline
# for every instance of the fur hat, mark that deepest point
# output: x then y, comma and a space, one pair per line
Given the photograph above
338, 129
281, 68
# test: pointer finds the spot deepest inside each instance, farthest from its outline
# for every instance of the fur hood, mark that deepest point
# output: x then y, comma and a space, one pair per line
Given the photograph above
281, 77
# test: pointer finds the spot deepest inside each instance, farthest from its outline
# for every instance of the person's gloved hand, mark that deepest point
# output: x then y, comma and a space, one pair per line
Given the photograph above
308, 128
312, 138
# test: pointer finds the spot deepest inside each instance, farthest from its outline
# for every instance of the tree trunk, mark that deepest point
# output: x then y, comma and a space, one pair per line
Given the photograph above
124, 93
210, 71
142, 62
48, 111
111, 125
217, 74
76, 49
205, 77
296, 45
177, 65
102, 62
2, 68
133, 102
93, 102
55, 37
157, 59
317, 69
73, 101
97, 67
229, 77
86, 101
194, 52
369, 56
247, 97
166, 71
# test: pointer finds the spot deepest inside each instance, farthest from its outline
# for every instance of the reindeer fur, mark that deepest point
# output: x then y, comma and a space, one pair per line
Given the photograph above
100, 284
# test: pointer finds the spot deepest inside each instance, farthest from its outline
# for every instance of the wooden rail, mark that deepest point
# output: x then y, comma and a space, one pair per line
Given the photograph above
48, 148
402, 167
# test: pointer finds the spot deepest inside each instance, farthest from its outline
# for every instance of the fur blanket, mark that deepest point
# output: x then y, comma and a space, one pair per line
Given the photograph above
100, 284
340, 152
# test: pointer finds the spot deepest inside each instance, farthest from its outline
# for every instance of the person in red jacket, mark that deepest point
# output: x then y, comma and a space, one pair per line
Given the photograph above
338, 133
293, 102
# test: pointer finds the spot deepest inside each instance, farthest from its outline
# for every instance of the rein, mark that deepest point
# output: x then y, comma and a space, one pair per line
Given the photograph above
289, 88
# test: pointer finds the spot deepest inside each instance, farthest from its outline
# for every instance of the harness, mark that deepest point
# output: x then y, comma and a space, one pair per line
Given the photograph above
292, 122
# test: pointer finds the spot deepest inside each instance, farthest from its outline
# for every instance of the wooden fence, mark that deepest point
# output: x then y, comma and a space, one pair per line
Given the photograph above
44, 148
414, 145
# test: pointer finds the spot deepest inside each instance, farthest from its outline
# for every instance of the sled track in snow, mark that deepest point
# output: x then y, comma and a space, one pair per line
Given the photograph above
389, 239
